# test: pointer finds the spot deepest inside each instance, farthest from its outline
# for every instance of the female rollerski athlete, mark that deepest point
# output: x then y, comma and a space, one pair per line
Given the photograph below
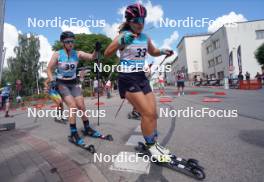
134, 45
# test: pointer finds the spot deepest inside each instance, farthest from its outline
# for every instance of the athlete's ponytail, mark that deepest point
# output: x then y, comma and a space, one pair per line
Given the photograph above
124, 27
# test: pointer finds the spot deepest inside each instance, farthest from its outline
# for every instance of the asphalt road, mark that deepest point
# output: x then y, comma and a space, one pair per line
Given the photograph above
230, 149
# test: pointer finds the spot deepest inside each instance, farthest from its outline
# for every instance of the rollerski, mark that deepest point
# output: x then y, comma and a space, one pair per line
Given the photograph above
189, 167
61, 120
134, 115
96, 134
75, 139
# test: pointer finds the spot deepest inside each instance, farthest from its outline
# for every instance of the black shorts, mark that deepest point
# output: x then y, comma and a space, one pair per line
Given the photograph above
133, 82
69, 87
180, 84
5, 99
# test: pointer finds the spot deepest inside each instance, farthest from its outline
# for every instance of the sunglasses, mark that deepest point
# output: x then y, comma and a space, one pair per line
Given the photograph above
68, 41
139, 20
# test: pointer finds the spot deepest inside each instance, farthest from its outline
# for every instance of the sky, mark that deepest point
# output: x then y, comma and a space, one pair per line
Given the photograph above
18, 13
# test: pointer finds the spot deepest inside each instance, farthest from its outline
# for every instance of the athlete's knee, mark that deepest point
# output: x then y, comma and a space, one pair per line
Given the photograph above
81, 107
149, 114
72, 105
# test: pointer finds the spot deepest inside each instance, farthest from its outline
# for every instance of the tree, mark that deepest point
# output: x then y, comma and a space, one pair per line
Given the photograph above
25, 65
86, 42
259, 54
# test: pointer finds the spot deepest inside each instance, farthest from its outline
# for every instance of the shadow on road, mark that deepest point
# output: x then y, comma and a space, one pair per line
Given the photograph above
254, 137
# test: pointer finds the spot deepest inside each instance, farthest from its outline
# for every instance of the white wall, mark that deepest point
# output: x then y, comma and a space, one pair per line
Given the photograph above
245, 35
194, 53
171, 75
178, 64
182, 56
189, 57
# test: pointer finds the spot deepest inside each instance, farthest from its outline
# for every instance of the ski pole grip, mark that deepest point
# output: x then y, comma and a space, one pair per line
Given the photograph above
98, 46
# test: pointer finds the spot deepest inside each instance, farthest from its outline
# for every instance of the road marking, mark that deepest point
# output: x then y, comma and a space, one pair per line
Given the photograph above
134, 139
220, 93
130, 163
138, 129
165, 99
208, 99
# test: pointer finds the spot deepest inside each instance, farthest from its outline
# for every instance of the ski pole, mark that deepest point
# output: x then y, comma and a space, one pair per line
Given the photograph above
119, 108
160, 64
97, 51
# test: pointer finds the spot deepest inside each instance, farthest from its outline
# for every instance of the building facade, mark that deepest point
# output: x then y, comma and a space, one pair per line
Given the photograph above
189, 59
231, 49
225, 53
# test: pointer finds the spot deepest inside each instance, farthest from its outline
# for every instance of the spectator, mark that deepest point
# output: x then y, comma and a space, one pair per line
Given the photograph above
195, 80
18, 99
95, 86
115, 85
247, 76
161, 84
240, 76
108, 87
180, 83
6, 92
258, 77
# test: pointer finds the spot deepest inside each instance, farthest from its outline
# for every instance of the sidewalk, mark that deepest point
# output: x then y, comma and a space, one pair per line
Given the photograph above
38, 150
27, 158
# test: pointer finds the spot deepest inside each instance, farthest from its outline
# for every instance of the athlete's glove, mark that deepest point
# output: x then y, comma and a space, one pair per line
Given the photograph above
126, 38
53, 85
166, 52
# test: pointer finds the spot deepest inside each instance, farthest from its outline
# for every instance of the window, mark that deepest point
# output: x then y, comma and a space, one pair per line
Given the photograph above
221, 75
209, 49
259, 34
212, 76
218, 59
216, 44
211, 63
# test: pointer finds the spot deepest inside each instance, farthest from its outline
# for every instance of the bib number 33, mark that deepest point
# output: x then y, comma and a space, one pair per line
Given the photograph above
141, 53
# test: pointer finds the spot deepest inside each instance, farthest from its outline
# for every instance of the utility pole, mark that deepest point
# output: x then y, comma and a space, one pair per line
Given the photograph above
2, 50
